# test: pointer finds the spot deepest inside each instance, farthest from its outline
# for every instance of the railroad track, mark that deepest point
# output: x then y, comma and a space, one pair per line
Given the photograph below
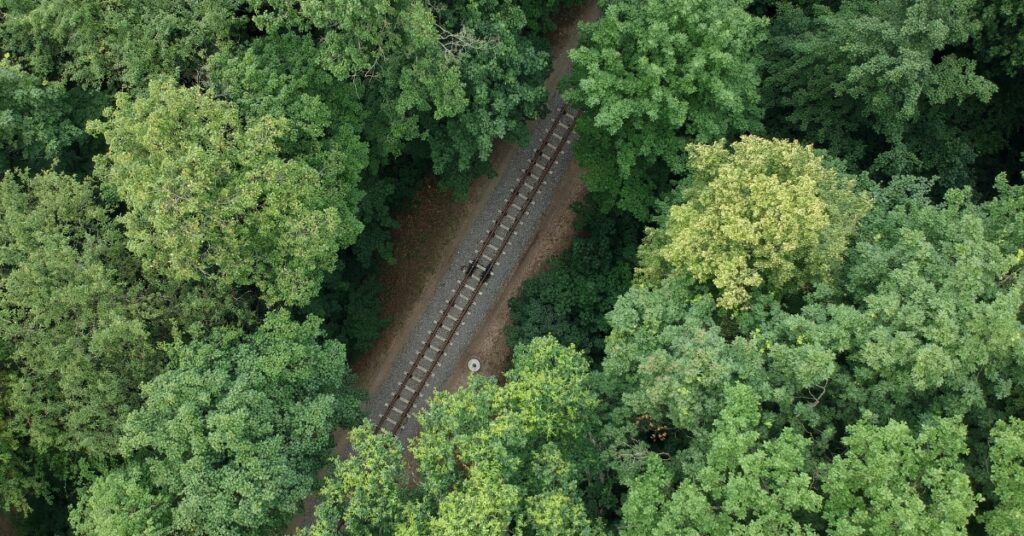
404, 398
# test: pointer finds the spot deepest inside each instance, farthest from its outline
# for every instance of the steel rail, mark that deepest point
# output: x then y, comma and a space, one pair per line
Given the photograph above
391, 407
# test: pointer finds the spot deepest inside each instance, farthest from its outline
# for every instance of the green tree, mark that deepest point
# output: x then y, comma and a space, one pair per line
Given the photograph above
73, 323
1001, 39
919, 320
652, 76
879, 83
229, 437
368, 491
891, 481
35, 124
104, 43
503, 76
278, 75
768, 215
1007, 458
488, 459
390, 51
209, 197
931, 309
740, 483
570, 298
539, 12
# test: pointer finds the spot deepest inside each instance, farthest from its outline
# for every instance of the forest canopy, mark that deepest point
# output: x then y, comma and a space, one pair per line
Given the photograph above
793, 304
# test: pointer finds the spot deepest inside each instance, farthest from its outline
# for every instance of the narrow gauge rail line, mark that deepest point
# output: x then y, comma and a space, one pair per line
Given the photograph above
403, 400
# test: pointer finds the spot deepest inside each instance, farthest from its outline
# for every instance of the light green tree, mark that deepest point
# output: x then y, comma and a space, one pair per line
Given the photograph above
652, 76
209, 197
761, 215
489, 459
368, 491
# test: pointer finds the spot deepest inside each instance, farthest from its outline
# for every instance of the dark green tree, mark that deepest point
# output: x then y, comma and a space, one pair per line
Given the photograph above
879, 83
570, 298
35, 123
75, 335
109, 44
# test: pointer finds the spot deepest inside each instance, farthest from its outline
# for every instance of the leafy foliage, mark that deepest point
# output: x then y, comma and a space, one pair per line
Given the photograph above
898, 329
767, 213
879, 83
100, 43
1002, 33
502, 76
35, 127
1007, 457
229, 436
186, 167
889, 481
741, 483
73, 322
489, 458
650, 83
570, 298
